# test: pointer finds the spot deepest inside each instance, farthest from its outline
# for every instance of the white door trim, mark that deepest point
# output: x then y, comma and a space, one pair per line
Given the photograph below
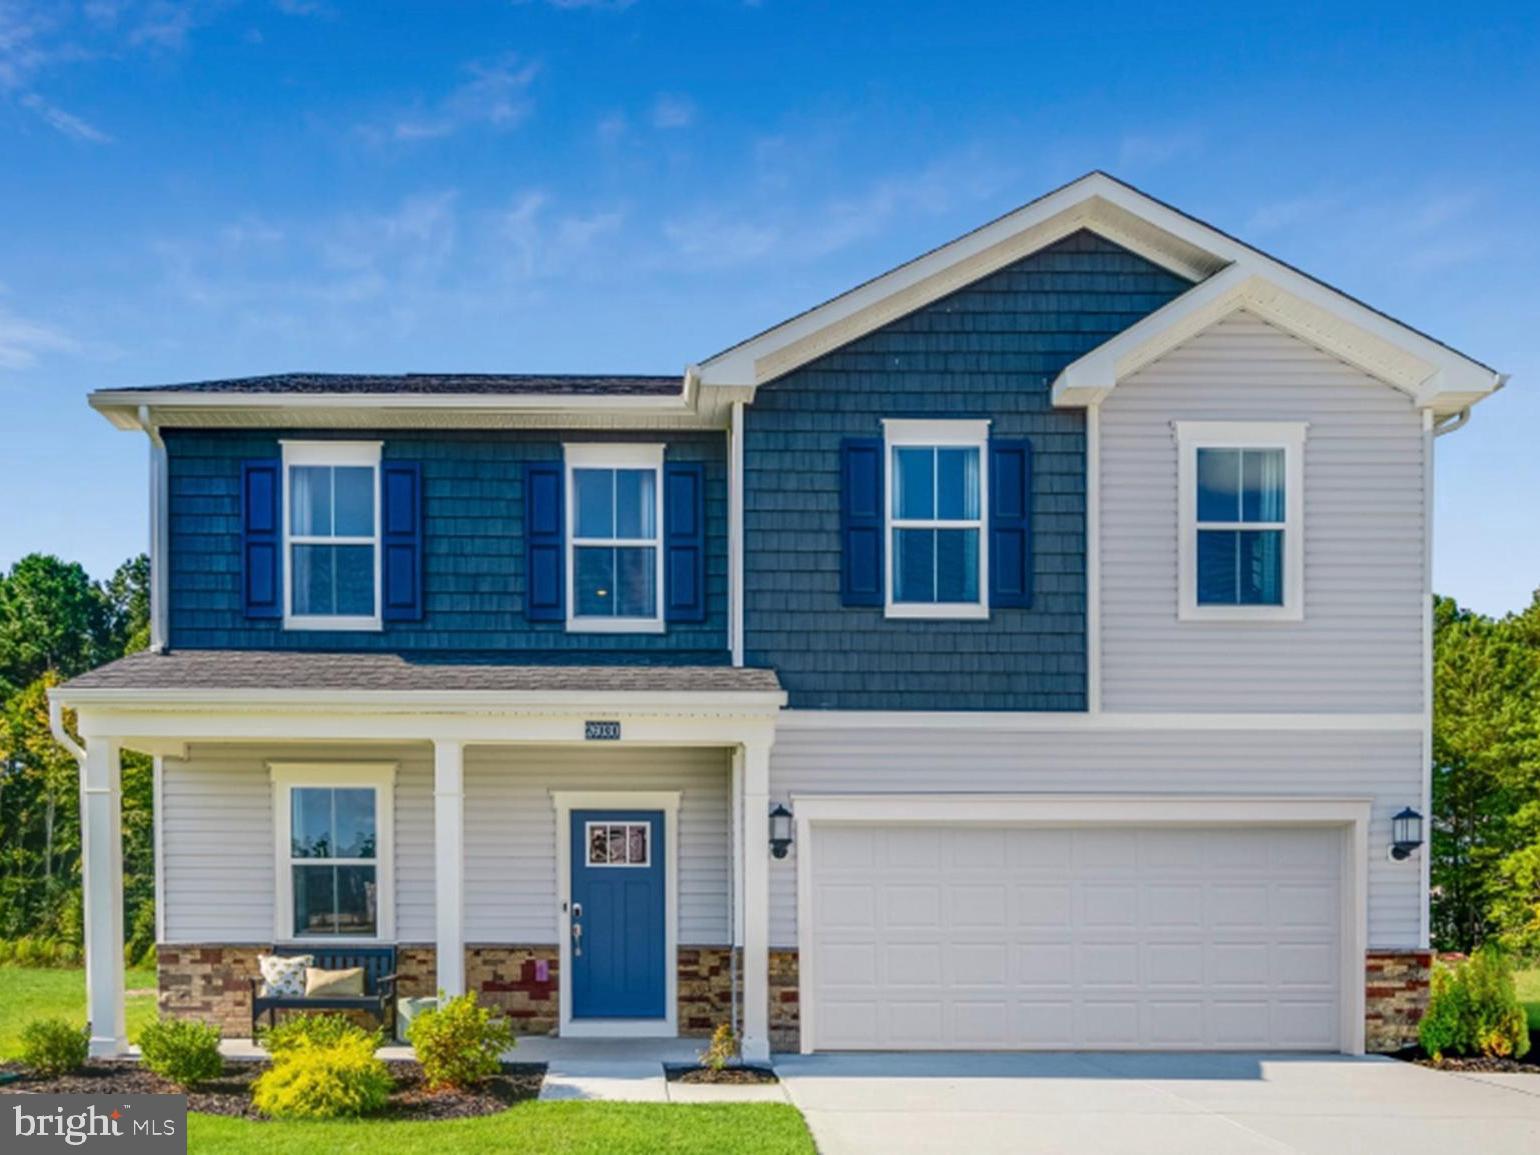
1351, 814
565, 802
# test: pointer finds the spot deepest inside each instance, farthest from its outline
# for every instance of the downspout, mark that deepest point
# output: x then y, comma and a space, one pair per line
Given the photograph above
735, 479
61, 733
1451, 423
159, 532
64, 738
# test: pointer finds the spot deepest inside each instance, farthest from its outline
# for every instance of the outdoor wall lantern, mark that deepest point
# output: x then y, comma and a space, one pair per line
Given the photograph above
1405, 834
780, 830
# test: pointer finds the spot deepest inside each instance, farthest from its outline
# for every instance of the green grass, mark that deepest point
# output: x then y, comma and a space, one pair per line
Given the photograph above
1529, 994
28, 993
534, 1128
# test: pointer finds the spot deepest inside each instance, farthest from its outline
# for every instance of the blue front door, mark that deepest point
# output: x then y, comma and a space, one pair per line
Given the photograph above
618, 892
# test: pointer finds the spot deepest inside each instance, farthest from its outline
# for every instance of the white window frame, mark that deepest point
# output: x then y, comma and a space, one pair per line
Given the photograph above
935, 434
613, 456
381, 777
1288, 436
330, 453
627, 825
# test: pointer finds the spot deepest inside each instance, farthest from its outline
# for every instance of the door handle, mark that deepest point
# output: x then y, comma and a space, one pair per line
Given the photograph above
577, 929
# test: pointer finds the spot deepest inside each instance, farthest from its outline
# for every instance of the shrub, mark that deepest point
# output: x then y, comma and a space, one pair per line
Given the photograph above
317, 1030
1474, 1009
722, 1049
459, 1043
183, 1051
54, 1046
336, 1080
39, 951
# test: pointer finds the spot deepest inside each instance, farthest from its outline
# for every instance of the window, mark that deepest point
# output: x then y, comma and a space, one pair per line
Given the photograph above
1241, 493
331, 528
618, 843
615, 563
334, 864
937, 556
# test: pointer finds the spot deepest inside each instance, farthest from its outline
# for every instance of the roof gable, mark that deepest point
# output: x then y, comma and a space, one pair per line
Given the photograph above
1229, 275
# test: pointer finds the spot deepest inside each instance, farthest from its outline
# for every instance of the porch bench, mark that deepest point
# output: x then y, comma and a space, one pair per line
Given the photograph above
378, 999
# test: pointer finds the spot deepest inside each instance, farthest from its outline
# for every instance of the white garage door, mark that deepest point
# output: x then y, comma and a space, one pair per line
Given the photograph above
961, 937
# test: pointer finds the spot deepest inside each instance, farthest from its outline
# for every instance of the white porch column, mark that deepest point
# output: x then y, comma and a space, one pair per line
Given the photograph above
101, 868
449, 863
756, 900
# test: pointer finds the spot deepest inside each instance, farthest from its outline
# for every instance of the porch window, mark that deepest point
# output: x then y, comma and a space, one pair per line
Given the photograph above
616, 560
333, 852
331, 526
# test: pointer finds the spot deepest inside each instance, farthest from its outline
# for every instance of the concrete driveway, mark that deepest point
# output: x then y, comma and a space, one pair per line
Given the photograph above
1184, 1104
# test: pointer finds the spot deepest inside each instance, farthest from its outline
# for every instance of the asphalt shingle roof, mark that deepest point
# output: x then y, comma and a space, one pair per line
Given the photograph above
429, 384
283, 670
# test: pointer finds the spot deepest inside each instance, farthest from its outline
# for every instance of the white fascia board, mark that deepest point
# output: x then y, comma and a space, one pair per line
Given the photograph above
1432, 375
122, 407
1095, 202
433, 701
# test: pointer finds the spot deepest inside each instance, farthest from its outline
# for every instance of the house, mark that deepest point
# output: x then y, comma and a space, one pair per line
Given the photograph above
1028, 648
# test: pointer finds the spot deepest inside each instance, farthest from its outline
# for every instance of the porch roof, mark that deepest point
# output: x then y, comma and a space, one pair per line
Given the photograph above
258, 670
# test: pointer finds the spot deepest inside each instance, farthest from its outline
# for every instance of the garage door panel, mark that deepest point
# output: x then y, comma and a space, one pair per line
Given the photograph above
1009, 937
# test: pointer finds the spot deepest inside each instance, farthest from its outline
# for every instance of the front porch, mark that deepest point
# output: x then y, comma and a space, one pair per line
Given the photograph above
455, 827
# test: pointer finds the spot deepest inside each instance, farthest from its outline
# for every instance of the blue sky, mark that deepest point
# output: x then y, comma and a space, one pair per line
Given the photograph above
202, 189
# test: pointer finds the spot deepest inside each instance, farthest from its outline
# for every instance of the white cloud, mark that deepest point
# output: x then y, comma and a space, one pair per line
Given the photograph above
495, 95
1147, 150
23, 341
66, 122
671, 111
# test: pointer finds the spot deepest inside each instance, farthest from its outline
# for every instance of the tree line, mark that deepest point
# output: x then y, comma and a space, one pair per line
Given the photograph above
55, 622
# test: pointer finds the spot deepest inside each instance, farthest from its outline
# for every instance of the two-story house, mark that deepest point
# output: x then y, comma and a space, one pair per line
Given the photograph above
1029, 648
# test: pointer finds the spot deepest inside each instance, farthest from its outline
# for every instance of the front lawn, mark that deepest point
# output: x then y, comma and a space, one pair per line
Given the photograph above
1529, 994
28, 993
534, 1128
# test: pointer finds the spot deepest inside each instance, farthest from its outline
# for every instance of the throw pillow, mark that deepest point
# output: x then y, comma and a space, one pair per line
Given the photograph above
283, 976
343, 982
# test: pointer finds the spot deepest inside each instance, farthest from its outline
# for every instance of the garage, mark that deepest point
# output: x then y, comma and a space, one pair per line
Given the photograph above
994, 934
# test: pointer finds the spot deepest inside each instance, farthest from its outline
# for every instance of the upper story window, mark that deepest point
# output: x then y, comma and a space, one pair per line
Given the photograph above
615, 559
331, 534
937, 556
334, 850
1242, 548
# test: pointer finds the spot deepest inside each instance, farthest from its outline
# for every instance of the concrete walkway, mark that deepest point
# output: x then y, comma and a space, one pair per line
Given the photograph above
630, 1070
1182, 1104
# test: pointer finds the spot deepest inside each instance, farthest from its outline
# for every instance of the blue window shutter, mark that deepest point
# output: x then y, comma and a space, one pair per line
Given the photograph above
861, 521
401, 541
1010, 523
684, 542
545, 585
262, 538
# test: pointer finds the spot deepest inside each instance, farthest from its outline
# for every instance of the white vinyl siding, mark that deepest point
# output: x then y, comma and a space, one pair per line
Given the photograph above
510, 834
217, 837
1359, 647
1385, 767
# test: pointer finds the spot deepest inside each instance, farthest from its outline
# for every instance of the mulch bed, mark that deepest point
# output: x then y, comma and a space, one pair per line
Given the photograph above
1528, 1065
231, 1094
729, 1075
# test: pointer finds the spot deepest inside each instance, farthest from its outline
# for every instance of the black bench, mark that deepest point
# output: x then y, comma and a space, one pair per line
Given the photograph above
378, 999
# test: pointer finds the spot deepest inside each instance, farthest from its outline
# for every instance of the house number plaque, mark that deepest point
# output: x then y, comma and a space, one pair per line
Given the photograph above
601, 731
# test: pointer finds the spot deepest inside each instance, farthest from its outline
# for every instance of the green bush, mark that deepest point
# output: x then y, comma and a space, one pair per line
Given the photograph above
317, 1030
722, 1049
1474, 1009
183, 1051
338, 1080
54, 1046
459, 1043
40, 951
